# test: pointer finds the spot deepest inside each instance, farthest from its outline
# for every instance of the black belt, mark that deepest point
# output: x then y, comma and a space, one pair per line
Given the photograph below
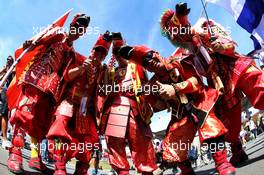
194, 114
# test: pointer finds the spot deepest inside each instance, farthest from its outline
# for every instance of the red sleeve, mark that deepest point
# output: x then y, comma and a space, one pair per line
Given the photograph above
191, 81
78, 60
69, 67
189, 86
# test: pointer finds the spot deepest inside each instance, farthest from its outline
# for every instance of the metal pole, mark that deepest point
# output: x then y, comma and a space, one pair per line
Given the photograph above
205, 12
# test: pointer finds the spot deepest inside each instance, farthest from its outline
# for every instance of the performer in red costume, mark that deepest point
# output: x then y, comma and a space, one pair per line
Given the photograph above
75, 122
125, 117
192, 108
229, 72
40, 85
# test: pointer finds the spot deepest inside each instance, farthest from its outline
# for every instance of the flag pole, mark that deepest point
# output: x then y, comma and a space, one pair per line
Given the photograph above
202, 12
12, 67
207, 18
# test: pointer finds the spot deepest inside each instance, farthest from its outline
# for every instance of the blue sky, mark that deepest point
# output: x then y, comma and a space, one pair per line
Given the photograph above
138, 20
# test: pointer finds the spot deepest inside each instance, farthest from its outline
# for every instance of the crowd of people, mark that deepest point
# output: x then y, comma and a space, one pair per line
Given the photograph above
251, 129
63, 97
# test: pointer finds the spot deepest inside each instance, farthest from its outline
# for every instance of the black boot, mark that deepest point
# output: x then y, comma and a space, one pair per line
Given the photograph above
186, 168
239, 156
81, 168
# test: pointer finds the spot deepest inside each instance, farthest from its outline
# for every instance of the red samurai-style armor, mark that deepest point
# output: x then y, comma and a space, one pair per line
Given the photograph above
41, 79
239, 75
230, 72
75, 121
192, 108
126, 117
41, 86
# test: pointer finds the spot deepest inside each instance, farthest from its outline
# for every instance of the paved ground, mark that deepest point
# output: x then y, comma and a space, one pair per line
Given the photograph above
254, 166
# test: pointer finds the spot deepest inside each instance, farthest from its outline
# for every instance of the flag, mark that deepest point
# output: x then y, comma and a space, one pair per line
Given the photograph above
14, 91
27, 58
249, 14
258, 55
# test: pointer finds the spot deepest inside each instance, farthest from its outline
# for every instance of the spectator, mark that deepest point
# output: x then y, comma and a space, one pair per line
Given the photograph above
193, 155
44, 150
243, 134
253, 127
4, 112
261, 124
205, 155
98, 156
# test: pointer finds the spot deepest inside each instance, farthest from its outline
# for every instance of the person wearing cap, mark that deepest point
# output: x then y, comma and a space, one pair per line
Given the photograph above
234, 73
41, 85
75, 116
4, 112
125, 117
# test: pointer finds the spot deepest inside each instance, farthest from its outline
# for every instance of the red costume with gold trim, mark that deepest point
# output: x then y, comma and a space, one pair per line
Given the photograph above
126, 117
41, 83
237, 73
41, 86
75, 121
192, 110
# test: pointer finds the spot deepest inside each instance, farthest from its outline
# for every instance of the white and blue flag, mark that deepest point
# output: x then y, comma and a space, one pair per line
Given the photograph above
249, 14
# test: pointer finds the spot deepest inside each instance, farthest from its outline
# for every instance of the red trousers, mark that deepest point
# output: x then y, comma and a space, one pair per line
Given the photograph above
180, 135
140, 144
80, 145
87, 145
34, 112
251, 83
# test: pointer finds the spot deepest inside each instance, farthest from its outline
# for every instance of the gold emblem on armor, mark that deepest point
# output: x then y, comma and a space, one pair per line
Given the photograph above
121, 72
182, 85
